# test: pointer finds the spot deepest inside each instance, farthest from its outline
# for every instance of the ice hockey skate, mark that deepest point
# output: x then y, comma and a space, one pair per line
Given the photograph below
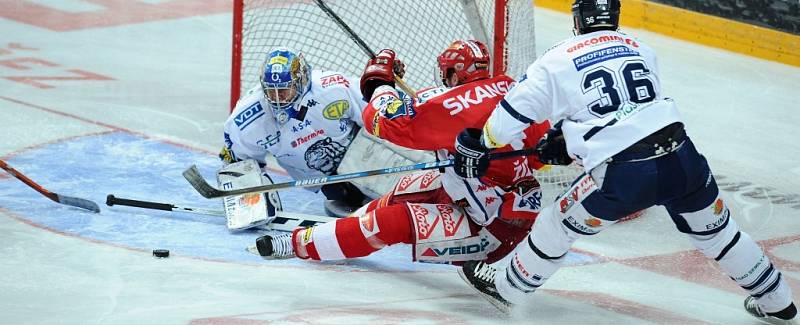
480, 276
273, 247
786, 316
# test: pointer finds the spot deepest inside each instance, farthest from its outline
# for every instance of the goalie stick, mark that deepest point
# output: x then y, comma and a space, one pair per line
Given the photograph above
58, 198
205, 189
285, 221
361, 44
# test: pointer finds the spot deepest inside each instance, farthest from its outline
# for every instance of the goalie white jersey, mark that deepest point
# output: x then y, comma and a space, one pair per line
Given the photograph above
607, 91
309, 145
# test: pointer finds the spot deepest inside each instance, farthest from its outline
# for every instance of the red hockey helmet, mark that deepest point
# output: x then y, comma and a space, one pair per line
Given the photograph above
468, 60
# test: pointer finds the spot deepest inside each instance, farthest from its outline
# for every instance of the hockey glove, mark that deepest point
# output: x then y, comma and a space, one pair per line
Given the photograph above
471, 156
380, 71
552, 148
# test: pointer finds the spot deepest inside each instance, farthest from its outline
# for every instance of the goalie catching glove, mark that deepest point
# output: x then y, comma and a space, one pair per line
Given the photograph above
471, 158
552, 148
381, 71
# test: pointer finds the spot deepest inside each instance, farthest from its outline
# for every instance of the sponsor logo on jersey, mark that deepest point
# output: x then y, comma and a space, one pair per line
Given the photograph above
609, 53
579, 227
278, 60
428, 179
576, 193
428, 94
420, 215
719, 222
300, 126
336, 110
602, 40
247, 116
457, 250
451, 225
489, 200
531, 200
406, 182
476, 96
270, 140
335, 79
304, 139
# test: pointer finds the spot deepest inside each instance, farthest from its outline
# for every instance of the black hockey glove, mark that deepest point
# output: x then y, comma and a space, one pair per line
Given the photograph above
552, 148
471, 156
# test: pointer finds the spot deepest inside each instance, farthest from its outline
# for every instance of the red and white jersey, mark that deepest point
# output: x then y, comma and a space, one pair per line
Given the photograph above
604, 85
433, 119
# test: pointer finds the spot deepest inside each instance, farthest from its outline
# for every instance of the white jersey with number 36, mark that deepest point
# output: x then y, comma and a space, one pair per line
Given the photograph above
605, 87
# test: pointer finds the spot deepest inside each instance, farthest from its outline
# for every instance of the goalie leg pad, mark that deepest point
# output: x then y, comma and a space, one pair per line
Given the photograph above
718, 237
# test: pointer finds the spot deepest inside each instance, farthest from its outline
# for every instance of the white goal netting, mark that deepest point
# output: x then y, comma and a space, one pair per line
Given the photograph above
418, 30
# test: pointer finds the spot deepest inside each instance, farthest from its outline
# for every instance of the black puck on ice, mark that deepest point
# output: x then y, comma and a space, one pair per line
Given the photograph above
161, 253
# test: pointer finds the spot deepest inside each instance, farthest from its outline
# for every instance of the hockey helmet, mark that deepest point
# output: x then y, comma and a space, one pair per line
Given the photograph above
468, 60
594, 15
284, 79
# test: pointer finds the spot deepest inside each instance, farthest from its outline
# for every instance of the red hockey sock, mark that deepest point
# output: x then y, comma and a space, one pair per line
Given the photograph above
355, 237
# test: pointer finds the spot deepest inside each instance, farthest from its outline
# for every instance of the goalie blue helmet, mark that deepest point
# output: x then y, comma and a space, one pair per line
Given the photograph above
284, 80
594, 15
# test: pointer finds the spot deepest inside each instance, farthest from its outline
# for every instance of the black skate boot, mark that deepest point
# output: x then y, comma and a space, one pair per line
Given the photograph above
480, 276
785, 316
273, 247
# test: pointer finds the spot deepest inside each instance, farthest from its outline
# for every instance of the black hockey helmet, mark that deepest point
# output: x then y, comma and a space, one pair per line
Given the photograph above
594, 15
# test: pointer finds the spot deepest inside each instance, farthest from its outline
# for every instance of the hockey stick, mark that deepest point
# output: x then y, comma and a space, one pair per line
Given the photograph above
361, 44
285, 221
206, 190
63, 199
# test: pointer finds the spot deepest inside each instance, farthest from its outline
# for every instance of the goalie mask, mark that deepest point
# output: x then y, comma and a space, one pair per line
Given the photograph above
467, 60
595, 15
284, 80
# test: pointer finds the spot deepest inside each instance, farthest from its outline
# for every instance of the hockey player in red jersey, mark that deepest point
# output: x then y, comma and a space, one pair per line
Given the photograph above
447, 218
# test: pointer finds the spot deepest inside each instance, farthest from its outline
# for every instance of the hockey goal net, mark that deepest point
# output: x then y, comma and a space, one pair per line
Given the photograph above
417, 30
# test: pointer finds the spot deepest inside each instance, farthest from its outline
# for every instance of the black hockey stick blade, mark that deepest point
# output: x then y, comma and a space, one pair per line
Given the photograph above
78, 203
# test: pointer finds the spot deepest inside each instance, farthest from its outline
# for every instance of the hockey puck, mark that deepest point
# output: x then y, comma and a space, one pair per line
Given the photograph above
161, 253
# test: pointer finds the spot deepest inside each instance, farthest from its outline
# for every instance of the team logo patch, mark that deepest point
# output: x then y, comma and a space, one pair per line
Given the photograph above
335, 110
593, 222
718, 206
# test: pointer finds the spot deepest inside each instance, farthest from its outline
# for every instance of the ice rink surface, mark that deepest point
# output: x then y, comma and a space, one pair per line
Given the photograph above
105, 97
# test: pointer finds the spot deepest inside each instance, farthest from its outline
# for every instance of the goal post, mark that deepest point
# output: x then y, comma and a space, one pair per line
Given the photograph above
417, 30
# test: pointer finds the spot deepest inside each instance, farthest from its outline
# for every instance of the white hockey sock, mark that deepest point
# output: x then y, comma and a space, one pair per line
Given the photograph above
745, 262
536, 258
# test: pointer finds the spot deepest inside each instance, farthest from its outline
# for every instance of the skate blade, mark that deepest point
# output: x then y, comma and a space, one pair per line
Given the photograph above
504, 308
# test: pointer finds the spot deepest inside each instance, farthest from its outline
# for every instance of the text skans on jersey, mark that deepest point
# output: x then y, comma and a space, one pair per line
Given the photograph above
476, 96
